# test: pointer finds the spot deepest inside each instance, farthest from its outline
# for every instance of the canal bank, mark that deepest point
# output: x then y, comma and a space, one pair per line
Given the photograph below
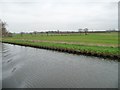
97, 51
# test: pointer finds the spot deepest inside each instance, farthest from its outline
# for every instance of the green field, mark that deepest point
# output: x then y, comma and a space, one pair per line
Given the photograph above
107, 39
99, 43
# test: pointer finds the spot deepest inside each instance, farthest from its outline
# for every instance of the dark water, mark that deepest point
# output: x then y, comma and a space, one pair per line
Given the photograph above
25, 67
0, 66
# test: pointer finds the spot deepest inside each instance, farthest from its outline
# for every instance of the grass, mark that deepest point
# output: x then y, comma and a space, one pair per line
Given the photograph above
92, 38
109, 40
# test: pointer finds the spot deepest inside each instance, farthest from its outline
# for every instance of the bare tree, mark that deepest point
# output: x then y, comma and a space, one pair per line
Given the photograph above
86, 30
80, 30
3, 30
35, 32
47, 33
21, 33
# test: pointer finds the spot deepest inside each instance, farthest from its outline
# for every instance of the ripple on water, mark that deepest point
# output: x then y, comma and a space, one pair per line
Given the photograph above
28, 67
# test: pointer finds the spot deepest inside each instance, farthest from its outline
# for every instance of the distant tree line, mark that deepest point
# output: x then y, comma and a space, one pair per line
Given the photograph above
57, 32
86, 31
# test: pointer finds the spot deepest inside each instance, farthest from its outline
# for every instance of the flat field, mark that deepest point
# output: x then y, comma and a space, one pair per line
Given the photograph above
99, 43
100, 39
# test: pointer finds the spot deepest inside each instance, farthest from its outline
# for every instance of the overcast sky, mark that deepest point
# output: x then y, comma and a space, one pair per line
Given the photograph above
41, 15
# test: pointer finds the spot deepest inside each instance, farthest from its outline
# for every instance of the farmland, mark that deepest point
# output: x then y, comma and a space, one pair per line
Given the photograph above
97, 43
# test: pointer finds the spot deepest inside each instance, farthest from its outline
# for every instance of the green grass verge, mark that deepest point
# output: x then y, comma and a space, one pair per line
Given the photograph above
111, 51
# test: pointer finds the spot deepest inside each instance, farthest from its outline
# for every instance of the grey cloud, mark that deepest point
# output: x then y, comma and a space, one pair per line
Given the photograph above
59, 14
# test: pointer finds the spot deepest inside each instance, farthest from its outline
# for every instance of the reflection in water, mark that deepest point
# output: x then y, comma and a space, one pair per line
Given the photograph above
25, 67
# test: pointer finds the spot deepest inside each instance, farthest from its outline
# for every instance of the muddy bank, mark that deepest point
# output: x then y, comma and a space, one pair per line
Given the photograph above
78, 52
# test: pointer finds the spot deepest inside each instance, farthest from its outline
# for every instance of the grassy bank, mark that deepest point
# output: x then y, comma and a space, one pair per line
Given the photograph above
100, 51
95, 44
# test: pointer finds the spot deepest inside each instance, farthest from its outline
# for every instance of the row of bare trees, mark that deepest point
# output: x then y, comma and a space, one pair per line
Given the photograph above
85, 30
3, 31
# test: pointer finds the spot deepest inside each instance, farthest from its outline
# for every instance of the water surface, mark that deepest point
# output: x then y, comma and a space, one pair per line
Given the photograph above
26, 67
